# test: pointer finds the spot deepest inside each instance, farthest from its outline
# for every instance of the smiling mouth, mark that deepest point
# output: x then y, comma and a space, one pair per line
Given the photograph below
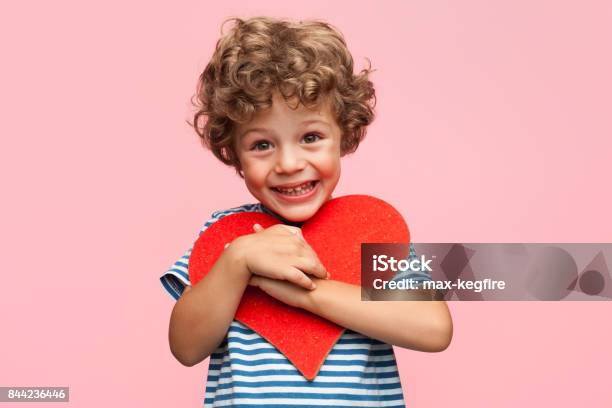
298, 190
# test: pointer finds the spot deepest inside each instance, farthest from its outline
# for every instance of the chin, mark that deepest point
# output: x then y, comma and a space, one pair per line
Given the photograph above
297, 216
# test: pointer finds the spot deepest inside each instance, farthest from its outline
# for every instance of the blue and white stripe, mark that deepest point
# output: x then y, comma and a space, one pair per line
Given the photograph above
247, 371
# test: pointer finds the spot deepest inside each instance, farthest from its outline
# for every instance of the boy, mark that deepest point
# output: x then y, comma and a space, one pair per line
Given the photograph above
281, 104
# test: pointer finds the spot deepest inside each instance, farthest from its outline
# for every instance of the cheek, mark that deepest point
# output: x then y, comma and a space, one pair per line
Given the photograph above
332, 169
254, 174
329, 165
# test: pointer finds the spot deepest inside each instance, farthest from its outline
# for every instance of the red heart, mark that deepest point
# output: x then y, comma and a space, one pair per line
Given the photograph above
336, 233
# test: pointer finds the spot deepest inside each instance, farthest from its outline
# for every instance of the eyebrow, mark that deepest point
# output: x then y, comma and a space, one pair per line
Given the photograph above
243, 134
261, 129
308, 122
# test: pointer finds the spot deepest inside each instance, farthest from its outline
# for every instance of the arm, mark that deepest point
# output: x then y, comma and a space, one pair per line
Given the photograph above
418, 325
202, 315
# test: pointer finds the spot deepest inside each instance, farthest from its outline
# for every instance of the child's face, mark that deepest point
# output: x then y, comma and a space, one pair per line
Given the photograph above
290, 158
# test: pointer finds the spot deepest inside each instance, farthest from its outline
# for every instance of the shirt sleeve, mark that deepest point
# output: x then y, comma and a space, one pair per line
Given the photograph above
415, 276
176, 277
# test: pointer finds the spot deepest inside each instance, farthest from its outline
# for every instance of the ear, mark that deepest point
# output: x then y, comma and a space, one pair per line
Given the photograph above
239, 171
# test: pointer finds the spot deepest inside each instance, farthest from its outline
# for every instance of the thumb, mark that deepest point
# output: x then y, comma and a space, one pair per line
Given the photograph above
294, 230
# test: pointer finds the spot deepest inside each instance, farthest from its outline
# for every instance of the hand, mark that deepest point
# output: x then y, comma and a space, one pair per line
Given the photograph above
283, 291
279, 252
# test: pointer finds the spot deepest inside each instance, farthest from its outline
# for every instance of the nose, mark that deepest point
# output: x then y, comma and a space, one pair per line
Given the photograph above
289, 161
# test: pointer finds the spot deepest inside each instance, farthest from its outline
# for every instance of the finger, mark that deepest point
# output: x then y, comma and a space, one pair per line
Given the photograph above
292, 230
258, 227
311, 265
299, 233
254, 281
298, 277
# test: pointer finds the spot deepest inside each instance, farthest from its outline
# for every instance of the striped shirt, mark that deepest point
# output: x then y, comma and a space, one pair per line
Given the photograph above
247, 371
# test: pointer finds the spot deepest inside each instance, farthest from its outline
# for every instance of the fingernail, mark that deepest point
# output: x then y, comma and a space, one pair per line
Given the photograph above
328, 275
313, 286
226, 245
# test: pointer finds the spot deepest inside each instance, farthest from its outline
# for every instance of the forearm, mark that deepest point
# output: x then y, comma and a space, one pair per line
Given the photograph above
417, 325
201, 317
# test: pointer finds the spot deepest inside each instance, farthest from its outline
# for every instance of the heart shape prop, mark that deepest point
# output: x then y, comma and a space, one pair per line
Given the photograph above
336, 233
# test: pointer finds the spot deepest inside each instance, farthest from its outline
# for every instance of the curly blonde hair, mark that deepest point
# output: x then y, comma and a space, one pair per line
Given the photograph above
307, 60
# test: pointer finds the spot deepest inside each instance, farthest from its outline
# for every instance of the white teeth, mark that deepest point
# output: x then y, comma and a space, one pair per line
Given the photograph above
302, 189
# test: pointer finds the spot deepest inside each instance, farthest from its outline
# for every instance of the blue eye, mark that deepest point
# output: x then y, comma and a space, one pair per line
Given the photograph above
260, 145
311, 138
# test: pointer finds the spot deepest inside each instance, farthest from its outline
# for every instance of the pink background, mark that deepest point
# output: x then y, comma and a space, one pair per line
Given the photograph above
493, 126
